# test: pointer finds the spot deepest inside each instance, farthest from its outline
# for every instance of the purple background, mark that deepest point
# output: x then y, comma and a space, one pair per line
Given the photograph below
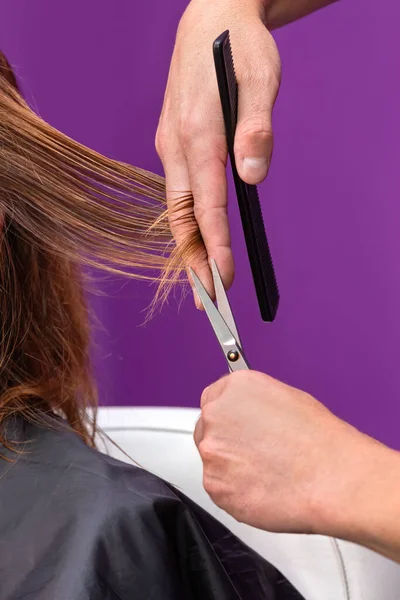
331, 203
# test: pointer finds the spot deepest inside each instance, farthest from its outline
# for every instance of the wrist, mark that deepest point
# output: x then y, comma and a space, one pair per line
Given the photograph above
282, 12
249, 8
377, 523
363, 504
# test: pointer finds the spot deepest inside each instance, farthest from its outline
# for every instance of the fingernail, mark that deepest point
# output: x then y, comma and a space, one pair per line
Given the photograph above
197, 300
255, 169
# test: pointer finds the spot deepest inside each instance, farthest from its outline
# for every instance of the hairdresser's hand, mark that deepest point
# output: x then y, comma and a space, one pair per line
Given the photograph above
191, 138
277, 459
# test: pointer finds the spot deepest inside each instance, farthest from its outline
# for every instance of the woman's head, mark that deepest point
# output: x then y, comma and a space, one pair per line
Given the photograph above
64, 206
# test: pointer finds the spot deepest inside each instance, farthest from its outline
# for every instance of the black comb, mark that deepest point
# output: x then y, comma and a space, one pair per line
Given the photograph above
247, 195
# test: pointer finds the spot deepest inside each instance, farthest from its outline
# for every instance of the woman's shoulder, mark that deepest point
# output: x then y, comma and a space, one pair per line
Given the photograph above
66, 466
90, 470
122, 482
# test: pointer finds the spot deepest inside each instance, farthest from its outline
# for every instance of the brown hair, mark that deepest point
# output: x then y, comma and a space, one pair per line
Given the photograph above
63, 206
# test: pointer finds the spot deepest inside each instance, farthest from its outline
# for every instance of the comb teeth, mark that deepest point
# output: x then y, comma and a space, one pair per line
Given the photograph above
232, 82
264, 251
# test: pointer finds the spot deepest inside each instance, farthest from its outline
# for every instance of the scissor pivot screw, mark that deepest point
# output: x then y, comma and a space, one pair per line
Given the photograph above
233, 355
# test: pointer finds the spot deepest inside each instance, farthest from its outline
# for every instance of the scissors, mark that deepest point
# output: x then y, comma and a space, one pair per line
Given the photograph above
221, 319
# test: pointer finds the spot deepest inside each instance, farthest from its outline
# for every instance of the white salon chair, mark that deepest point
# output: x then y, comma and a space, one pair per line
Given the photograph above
160, 440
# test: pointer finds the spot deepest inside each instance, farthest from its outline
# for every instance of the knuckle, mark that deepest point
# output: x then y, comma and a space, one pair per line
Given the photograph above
184, 228
206, 413
160, 142
212, 487
220, 493
237, 381
223, 384
206, 396
207, 450
256, 125
263, 80
212, 393
192, 124
204, 208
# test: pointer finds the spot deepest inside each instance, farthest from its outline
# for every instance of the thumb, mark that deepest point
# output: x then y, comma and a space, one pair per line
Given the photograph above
214, 391
254, 139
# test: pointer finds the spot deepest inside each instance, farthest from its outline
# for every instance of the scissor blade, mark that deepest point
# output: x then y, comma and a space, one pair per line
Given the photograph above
224, 307
221, 329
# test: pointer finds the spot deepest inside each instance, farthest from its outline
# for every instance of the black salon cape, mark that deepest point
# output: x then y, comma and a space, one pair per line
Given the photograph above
76, 524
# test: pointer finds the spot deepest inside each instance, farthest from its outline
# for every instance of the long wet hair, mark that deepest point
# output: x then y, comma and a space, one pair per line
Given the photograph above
64, 207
